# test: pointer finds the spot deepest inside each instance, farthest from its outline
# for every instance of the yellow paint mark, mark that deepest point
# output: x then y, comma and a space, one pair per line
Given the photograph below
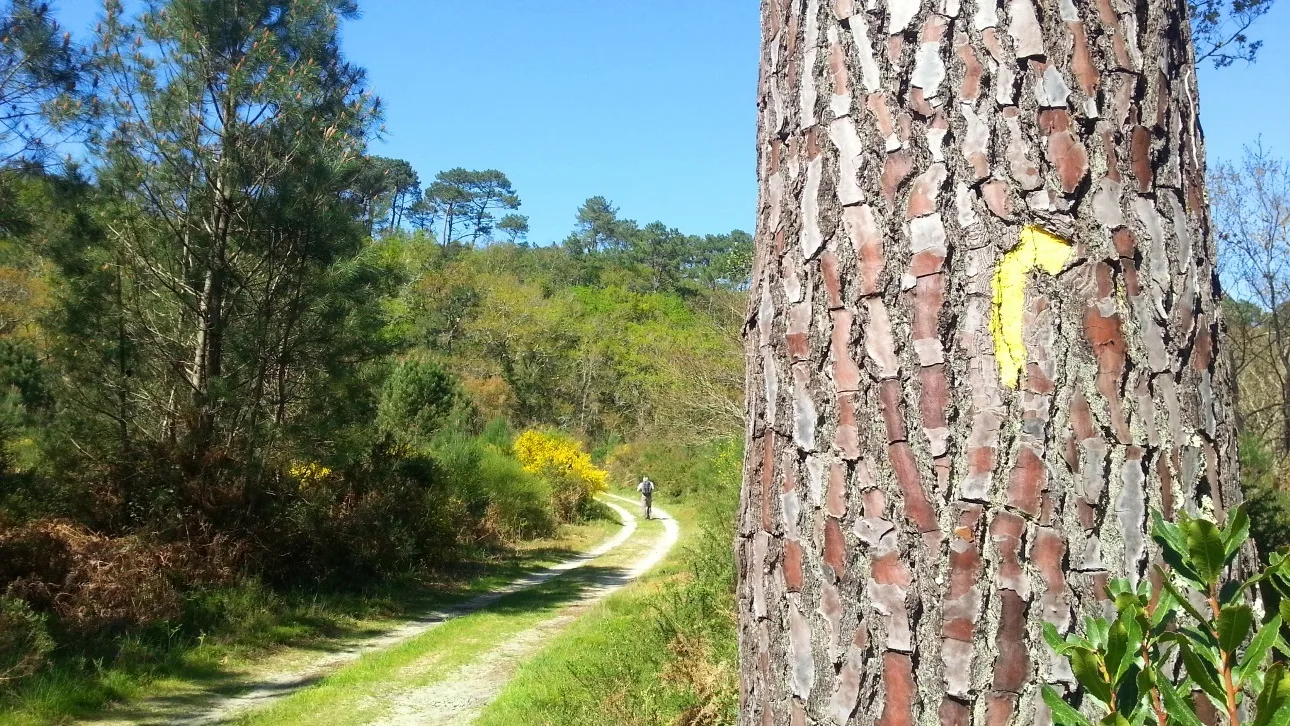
1038, 248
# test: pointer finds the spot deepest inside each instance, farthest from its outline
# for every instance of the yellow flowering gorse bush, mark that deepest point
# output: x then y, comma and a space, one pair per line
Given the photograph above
561, 462
308, 473
543, 453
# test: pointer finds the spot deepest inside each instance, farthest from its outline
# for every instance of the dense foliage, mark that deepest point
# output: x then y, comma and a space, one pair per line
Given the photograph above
241, 354
242, 357
560, 462
1190, 614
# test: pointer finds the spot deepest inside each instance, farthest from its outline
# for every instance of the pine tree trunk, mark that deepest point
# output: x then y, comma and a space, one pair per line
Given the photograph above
981, 347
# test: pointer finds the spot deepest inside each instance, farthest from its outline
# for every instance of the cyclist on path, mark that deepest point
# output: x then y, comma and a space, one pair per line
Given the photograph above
646, 488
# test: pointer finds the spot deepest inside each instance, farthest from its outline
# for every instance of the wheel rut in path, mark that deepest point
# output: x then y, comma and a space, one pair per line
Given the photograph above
209, 707
460, 696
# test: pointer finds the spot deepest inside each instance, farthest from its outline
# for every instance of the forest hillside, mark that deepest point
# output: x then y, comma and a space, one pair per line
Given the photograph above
256, 382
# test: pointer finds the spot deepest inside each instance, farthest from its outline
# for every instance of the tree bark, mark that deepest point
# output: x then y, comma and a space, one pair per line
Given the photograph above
981, 347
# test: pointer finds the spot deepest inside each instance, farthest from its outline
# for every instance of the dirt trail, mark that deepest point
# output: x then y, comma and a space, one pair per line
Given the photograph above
209, 707
460, 696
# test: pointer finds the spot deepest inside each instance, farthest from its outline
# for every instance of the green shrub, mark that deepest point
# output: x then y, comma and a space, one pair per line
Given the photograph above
697, 621
1128, 667
498, 434
560, 461
22, 370
24, 640
418, 399
391, 513
506, 502
401, 509
238, 612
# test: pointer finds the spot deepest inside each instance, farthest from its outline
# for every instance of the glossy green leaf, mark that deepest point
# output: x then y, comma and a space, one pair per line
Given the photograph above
1205, 548
1096, 629
1114, 719
1087, 667
1201, 640
1166, 608
1167, 534
1063, 714
1128, 602
1118, 649
1180, 709
1202, 637
1201, 671
1189, 575
1278, 579
1074, 640
1236, 531
1234, 623
1127, 694
1119, 586
1173, 543
1274, 696
1134, 632
1253, 657
1179, 597
1254, 681
1054, 639
1281, 717
1146, 680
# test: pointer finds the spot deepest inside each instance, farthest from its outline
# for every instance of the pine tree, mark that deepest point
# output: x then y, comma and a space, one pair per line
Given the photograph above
234, 138
982, 347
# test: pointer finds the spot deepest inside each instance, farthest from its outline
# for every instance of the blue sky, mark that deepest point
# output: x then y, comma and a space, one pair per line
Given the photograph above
651, 104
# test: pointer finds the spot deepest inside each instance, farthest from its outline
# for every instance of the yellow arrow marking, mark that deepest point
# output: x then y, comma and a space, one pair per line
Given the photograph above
1038, 248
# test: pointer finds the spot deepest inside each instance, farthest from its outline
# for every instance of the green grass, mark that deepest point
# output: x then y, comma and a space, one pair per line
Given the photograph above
595, 671
659, 649
229, 634
358, 693
655, 651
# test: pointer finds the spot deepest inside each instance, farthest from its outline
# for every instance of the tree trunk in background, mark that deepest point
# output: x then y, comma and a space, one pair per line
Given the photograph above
981, 347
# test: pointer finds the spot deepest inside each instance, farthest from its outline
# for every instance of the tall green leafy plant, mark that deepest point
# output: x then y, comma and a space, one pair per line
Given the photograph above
418, 399
1197, 632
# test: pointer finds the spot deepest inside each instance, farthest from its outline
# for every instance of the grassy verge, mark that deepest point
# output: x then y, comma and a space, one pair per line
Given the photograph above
361, 692
229, 635
661, 651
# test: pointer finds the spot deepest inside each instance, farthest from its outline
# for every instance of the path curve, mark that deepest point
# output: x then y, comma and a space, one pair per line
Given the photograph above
460, 696
671, 533
267, 690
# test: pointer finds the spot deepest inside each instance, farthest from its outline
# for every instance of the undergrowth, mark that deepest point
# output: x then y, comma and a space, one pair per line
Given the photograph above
220, 631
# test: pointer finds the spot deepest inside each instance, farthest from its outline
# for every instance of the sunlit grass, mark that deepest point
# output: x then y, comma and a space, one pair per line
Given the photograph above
358, 693
250, 628
642, 656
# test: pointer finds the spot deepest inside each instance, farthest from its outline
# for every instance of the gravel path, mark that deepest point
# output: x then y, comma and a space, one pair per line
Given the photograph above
459, 697
206, 707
